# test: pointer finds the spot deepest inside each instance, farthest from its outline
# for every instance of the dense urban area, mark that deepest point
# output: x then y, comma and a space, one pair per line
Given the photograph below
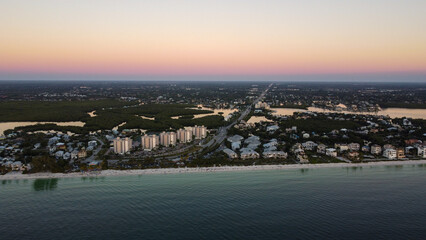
91, 126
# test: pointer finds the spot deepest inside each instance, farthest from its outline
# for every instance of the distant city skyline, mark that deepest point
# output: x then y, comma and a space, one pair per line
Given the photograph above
272, 40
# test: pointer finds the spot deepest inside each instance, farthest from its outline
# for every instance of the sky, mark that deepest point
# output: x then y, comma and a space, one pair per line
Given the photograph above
166, 39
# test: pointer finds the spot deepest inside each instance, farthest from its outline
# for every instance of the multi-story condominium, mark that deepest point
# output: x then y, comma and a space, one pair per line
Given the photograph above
389, 153
309, 145
376, 149
168, 138
199, 132
122, 145
149, 142
82, 153
388, 146
274, 154
321, 148
341, 146
230, 153
354, 146
261, 105
421, 151
331, 152
400, 153
247, 153
184, 135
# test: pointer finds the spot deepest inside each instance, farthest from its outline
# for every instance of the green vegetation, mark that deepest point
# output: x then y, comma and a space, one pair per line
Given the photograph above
48, 164
402, 105
303, 106
47, 127
60, 111
319, 125
109, 114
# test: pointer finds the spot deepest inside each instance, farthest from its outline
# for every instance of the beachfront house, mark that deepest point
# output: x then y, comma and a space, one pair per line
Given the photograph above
376, 149
274, 154
231, 154
389, 153
400, 153
321, 148
235, 145
235, 138
421, 151
341, 146
309, 145
332, 152
354, 146
248, 153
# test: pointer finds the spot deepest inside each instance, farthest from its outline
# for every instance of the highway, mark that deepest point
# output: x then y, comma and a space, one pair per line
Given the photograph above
223, 131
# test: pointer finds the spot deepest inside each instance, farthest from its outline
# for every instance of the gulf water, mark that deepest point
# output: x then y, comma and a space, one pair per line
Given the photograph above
384, 202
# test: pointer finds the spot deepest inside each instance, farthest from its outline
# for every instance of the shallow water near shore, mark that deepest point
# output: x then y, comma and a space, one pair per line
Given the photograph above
378, 202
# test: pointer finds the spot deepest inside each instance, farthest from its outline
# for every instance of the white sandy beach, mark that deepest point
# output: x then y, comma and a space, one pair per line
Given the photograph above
105, 173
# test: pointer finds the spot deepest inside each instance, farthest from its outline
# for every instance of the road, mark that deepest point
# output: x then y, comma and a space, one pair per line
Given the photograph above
95, 152
223, 131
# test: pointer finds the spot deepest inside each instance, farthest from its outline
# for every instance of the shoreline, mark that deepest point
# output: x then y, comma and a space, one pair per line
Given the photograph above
108, 173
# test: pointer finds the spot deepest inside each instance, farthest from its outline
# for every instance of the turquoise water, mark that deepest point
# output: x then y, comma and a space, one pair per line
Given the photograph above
335, 203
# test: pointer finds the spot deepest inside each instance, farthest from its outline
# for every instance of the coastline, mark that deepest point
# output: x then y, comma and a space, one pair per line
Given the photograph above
107, 173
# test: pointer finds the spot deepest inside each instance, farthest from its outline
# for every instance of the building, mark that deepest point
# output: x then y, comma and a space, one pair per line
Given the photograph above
184, 135
235, 138
341, 146
421, 151
92, 143
389, 153
199, 132
261, 105
388, 146
321, 148
168, 139
274, 154
354, 146
248, 153
235, 145
272, 128
353, 155
122, 145
302, 157
149, 142
331, 152
400, 153
365, 148
376, 149
309, 145
230, 153
59, 154
82, 153
252, 142
74, 154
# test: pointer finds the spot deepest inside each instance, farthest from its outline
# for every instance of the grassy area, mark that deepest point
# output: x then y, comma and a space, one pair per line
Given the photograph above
402, 105
319, 125
291, 106
109, 114
61, 111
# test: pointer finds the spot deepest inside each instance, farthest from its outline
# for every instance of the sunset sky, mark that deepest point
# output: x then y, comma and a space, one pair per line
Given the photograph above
133, 39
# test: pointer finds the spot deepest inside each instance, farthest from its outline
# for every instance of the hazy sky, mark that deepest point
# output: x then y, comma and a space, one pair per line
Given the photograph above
131, 39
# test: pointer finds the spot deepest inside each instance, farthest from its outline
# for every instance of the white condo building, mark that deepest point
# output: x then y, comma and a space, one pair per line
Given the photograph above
122, 145
168, 138
199, 132
184, 135
149, 142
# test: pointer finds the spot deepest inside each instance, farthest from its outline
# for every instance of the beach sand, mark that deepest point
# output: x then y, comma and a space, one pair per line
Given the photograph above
105, 173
